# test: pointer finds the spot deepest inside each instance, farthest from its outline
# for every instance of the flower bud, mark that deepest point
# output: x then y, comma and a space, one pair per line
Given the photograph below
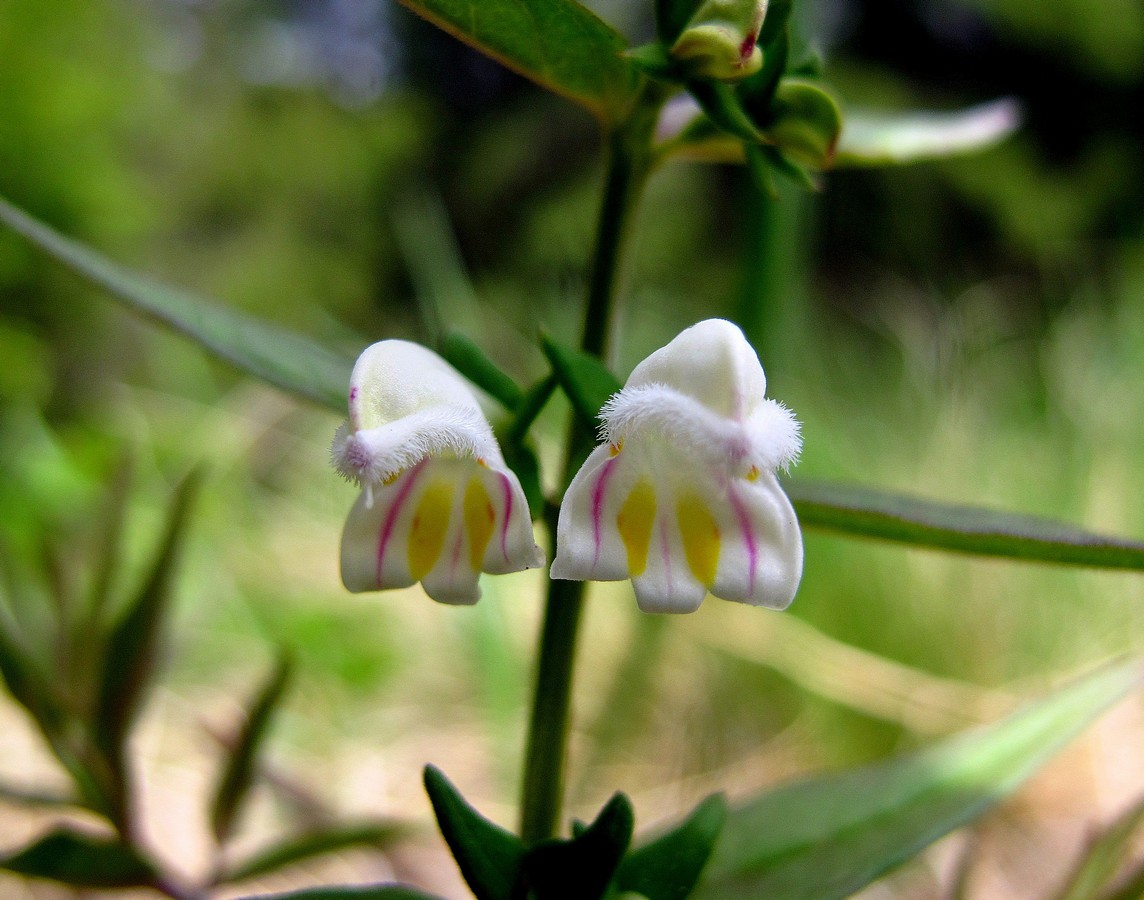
719, 39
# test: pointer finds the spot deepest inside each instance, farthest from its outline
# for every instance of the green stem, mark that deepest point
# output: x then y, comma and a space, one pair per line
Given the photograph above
629, 162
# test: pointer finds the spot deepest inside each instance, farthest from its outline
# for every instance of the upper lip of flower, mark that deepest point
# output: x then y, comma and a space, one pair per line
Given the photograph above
428, 455
682, 497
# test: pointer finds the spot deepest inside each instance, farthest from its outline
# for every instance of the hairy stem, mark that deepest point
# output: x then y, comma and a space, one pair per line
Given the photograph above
629, 159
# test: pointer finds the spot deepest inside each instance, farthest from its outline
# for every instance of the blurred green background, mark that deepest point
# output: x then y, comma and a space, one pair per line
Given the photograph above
970, 330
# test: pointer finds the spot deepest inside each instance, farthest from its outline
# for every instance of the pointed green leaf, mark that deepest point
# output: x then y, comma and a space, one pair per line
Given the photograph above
82, 861
584, 866
775, 22
283, 358
352, 892
1102, 858
132, 646
964, 529
587, 381
238, 775
669, 867
489, 856
828, 837
471, 361
723, 107
556, 43
885, 139
299, 848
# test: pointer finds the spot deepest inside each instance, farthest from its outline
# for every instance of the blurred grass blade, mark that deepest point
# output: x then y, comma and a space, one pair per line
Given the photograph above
965, 529
668, 867
353, 892
110, 547
133, 645
556, 43
82, 861
1102, 858
471, 361
881, 139
299, 849
26, 682
283, 358
241, 764
829, 837
488, 856
587, 381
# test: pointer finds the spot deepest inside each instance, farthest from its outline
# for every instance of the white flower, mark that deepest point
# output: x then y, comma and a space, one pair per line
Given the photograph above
438, 504
682, 496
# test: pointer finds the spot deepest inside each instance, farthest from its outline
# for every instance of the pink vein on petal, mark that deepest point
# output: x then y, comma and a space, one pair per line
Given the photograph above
665, 554
748, 537
598, 504
506, 490
394, 510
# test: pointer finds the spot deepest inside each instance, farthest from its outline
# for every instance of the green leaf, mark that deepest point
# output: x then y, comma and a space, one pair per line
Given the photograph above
303, 847
669, 867
132, 646
489, 856
556, 43
830, 836
775, 22
583, 867
283, 358
238, 776
1103, 857
587, 381
471, 361
964, 529
885, 139
82, 861
352, 892
804, 123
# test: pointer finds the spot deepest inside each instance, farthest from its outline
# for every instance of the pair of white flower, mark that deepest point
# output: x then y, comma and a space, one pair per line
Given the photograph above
681, 497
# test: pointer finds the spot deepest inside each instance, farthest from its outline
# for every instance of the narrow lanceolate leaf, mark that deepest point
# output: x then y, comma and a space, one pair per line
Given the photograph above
883, 139
133, 644
556, 43
488, 856
668, 867
82, 861
471, 361
279, 356
829, 837
965, 529
587, 381
300, 848
238, 775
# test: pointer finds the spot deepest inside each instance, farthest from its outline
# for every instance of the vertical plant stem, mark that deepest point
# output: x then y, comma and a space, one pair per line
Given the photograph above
629, 156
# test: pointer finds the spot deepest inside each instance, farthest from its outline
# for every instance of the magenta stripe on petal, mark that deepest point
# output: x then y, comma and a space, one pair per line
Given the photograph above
598, 504
506, 489
391, 517
748, 537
